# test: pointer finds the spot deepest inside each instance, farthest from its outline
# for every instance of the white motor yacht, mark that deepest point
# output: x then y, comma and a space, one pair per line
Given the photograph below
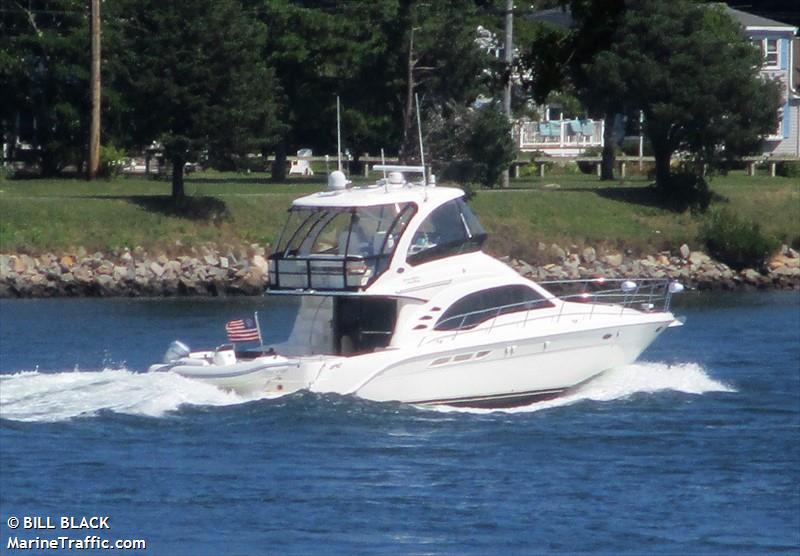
397, 302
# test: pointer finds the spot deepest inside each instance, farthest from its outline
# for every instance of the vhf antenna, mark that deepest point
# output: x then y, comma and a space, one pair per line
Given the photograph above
421, 150
338, 134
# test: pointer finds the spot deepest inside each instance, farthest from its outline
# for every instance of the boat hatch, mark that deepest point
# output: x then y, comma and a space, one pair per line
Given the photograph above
335, 248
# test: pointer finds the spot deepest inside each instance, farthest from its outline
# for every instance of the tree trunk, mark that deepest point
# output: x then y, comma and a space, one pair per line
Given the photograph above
49, 163
609, 158
178, 195
662, 155
279, 164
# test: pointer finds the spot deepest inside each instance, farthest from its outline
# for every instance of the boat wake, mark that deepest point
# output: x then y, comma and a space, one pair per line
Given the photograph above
50, 397
623, 382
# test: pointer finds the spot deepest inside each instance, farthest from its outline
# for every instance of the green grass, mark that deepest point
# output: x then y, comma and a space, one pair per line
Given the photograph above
59, 215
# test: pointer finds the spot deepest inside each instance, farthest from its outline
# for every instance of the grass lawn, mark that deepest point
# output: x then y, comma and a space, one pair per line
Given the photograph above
60, 214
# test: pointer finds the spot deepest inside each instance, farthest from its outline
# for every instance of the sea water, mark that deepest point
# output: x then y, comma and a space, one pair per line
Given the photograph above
694, 449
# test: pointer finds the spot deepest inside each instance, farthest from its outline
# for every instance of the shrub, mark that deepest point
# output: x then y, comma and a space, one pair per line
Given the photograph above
589, 167
112, 159
737, 243
788, 169
687, 190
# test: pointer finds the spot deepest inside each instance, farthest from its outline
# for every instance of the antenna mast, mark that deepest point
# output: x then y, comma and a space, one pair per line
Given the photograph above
338, 134
421, 149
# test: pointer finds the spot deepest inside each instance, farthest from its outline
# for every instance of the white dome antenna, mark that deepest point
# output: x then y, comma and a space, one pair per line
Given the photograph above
337, 181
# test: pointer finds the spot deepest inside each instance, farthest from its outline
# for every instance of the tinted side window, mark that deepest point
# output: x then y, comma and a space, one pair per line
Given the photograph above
439, 235
475, 308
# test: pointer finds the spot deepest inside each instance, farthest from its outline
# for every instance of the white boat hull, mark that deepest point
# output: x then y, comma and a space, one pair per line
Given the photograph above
515, 371
252, 377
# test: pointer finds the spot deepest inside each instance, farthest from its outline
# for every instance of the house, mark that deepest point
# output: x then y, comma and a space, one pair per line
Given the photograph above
555, 132
780, 48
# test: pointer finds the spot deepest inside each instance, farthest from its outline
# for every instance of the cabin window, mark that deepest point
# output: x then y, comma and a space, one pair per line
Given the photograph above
451, 229
475, 308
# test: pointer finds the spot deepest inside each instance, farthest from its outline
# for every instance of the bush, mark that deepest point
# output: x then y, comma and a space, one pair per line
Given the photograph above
686, 190
112, 159
788, 169
589, 167
737, 243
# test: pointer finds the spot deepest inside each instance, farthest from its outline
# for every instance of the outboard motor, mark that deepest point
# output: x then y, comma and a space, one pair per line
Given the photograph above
175, 351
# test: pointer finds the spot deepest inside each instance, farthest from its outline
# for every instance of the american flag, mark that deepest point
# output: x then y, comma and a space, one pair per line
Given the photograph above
242, 330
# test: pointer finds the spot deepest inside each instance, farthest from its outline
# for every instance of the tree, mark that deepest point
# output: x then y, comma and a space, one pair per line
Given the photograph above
555, 60
443, 63
44, 71
695, 76
474, 143
375, 55
320, 51
596, 22
194, 79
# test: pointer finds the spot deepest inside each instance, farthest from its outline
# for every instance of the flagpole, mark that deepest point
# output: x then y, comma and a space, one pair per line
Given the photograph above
258, 328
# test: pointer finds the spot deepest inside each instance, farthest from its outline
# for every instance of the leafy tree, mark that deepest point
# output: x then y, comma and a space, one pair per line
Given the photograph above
475, 144
375, 55
320, 51
555, 60
442, 61
695, 76
44, 74
596, 23
194, 79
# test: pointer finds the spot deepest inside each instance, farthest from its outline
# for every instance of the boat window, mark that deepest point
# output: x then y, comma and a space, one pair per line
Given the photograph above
451, 229
477, 307
362, 231
337, 248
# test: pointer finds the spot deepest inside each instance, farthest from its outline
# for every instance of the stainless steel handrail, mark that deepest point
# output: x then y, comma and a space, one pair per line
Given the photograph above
646, 292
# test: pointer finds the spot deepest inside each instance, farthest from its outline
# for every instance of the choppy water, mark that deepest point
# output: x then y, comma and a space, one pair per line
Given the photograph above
694, 449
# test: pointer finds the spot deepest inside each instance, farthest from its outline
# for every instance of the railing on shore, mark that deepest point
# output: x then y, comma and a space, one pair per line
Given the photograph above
621, 163
560, 134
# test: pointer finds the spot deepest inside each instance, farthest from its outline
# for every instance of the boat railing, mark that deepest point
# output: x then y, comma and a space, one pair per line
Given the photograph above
324, 272
603, 298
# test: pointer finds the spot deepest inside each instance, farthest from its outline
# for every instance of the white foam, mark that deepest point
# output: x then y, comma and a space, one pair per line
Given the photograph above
623, 382
49, 397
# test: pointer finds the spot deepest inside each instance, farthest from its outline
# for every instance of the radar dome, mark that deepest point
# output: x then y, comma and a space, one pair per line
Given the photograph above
337, 181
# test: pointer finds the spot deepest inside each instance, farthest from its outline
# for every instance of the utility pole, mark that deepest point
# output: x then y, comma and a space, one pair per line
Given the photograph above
94, 127
509, 59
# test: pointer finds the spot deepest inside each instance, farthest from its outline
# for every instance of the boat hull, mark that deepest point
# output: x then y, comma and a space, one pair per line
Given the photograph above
535, 361
245, 378
471, 373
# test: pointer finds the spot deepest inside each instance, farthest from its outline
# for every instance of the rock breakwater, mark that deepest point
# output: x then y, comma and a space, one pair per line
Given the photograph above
227, 271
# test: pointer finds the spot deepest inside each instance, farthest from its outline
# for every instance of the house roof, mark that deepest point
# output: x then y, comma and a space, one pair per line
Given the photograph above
562, 17
749, 20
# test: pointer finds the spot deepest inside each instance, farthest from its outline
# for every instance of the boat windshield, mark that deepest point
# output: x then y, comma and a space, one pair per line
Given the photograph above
333, 248
353, 231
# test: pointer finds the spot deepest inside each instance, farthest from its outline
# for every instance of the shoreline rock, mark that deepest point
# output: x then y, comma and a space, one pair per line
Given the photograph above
231, 271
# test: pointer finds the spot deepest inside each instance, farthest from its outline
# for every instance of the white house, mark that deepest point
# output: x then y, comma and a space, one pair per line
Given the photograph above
780, 48
554, 133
